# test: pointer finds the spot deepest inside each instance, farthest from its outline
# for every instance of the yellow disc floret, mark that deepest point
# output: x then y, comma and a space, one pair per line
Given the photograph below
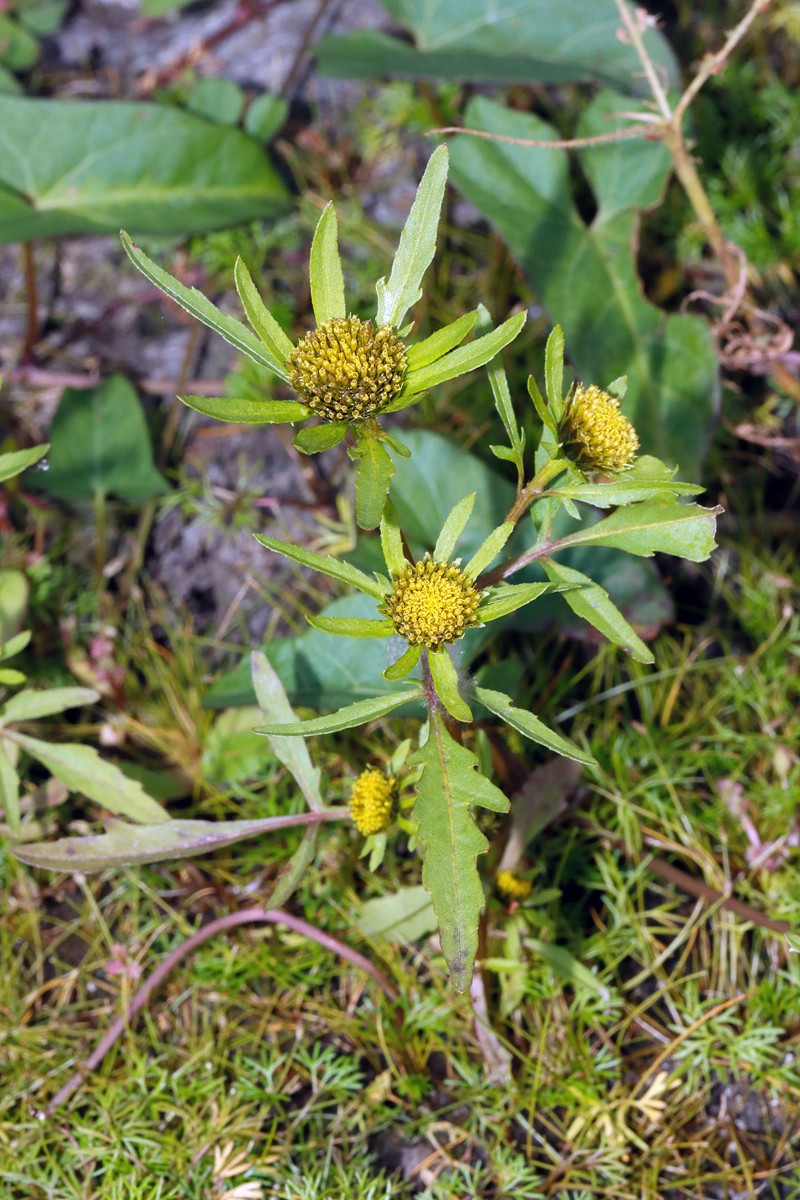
432, 603
513, 886
372, 801
348, 369
594, 433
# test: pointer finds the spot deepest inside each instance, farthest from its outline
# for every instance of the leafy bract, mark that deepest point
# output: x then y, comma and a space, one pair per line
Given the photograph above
325, 269
529, 725
592, 603
647, 479
663, 525
450, 841
333, 567
246, 412
346, 718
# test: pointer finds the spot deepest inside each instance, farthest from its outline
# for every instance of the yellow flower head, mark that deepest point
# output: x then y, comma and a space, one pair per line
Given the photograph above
432, 603
348, 369
594, 433
372, 801
512, 886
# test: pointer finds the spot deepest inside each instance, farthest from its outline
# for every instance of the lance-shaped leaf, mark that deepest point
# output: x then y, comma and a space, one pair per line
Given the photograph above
647, 479
489, 550
498, 382
355, 627
507, 598
460, 361
19, 460
392, 541
663, 525
124, 845
445, 681
326, 565
197, 305
292, 752
373, 476
247, 412
453, 528
443, 340
417, 245
529, 725
593, 604
449, 787
325, 269
554, 371
276, 342
316, 438
539, 403
29, 705
9, 791
83, 770
14, 645
346, 718
405, 663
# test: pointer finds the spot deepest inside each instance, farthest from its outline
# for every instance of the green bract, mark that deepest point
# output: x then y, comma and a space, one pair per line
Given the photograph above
346, 372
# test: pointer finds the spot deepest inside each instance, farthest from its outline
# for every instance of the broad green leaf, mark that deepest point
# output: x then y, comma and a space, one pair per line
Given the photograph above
325, 269
14, 645
124, 845
647, 478
416, 247
554, 371
28, 705
100, 445
507, 598
406, 915
663, 525
346, 718
499, 41
489, 550
9, 791
84, 166
247, 412
421, 354
453, 528
83, 770
462, 360
585, 274
592, 603
19, 460
373, 476
392, 541
277, 344
445, 681
9, 678
333, 567
450, 842
529, 725
292, 752
197, 305
354, 627
316, 438
265, 116
405, 663
217, 99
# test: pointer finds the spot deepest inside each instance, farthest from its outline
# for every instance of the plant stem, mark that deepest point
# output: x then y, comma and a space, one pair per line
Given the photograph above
533, 490
32, 298
101, 540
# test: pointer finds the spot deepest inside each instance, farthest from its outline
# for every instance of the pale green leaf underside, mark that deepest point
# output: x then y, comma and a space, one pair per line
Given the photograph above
529, 725
29, 705
346, 718
333, 567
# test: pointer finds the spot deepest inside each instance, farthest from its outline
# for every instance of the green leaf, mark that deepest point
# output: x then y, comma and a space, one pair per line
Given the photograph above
417, 245
82, 166
28, 705
100, 444
592, 603
568, 968
291, 752
392, 541
554, 371
450, 842
445, 681
453, 528
461, 361
124, 845
83, 770
199, 306
19, 460
498, 382
648, 478
489, 550
405, 663
216, 99
663, 525
404, 915
586, 274
354, 627
247, 412
9, 678
19, 51
346, 718
333, 567
542, 411
9, 791
316, 438
276, 343
373, 476
265, 116
14, 645
325, 269
421, 354
507, 598
529, 725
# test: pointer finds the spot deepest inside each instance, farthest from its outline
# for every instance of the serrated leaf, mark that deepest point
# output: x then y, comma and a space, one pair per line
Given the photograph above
450, 842
316, 438
421, 354
325, 269
29, 705
346, 718
9, 791
460, 361
453, 528
417, 245
333, 567
19, 460
489, 549
647, 479
445, 681
507, 598
247, 412
554, 371
292, 752
593, 604
83, 770
354, 627
663, 525
373, 477
277, 344
529, 725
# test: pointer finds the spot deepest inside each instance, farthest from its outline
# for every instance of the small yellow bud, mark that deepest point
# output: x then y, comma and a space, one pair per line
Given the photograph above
512, 886
432, 603
593, 432
372, 801
348, 369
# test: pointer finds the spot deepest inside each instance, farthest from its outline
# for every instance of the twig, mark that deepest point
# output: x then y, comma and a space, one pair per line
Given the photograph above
712, 64
32, 299
247, 916
598, 139
648, 66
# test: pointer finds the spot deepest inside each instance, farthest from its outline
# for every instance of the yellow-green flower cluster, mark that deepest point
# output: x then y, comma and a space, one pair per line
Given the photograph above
593, 432
432, 603
348, 369
512, 886
372, 801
